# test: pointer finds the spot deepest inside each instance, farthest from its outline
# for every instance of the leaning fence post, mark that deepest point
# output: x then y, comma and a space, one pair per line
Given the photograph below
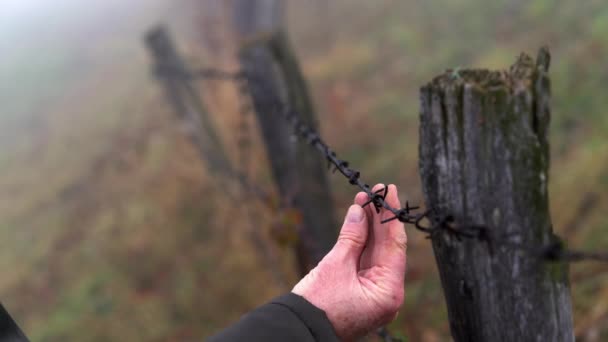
176, 80
274, 77
484, 161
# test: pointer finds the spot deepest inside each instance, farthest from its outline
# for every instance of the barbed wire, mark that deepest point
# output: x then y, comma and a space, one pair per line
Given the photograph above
554, 251
170, 70
376, 198
310, 136
438, 223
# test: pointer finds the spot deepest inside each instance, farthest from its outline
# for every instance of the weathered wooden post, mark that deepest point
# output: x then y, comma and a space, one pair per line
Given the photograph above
300, 173
484, 160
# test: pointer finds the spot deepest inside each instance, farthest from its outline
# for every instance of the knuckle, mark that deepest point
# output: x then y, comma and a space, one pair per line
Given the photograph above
351, 239
401, 242
398, 245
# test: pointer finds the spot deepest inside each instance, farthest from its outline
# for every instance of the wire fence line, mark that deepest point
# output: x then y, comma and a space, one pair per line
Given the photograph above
243, 83
554, 251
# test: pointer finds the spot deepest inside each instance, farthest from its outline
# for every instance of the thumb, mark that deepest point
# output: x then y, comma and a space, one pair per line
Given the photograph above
353, 234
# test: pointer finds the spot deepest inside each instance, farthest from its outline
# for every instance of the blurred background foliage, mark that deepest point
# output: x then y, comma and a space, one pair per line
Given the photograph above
110, 227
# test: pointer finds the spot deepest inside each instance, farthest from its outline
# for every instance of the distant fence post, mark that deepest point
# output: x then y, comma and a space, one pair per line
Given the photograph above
300, 173
174, 76
484, 161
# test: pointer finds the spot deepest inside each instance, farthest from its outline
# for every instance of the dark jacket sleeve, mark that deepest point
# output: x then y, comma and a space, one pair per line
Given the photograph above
286, 318
9, 330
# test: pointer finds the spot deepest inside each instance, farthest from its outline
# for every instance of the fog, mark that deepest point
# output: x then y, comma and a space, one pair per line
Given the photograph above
47, 44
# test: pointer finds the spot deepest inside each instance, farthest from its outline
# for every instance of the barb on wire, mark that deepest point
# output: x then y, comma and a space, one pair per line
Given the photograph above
378, 194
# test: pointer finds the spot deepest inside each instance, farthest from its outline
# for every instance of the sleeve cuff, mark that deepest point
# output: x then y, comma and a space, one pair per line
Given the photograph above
314, 318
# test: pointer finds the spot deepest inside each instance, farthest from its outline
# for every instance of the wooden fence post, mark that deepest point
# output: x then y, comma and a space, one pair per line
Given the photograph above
185, 100
176, 80
300, 173
484, 161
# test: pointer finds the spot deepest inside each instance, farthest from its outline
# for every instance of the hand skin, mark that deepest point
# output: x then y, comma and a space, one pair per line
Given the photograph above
360, 282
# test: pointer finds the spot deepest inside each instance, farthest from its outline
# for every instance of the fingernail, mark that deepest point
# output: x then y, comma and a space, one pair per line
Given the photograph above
355, 214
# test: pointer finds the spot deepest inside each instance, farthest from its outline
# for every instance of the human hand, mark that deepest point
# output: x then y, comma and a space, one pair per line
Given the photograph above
359, 283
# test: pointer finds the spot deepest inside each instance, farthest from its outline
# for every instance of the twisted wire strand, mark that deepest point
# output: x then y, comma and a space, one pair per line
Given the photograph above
554, 251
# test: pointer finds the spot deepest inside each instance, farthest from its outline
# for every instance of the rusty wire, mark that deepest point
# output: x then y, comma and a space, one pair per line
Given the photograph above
553, 252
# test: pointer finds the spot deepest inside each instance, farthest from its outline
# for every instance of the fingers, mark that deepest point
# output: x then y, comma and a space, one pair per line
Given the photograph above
360, 199
389, 239
353, 235
365, 261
